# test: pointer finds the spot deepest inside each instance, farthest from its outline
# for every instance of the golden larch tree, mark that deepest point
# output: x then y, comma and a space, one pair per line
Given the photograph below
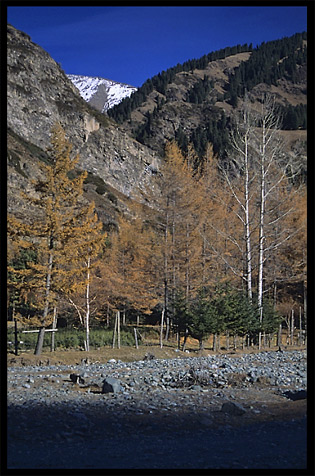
52, 232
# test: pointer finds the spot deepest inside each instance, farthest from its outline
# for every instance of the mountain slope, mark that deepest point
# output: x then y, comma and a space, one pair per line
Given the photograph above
39, 94
193, 101
190, 102
100, 93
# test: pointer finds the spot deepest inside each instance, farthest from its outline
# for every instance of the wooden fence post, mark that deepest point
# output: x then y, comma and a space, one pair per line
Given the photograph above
136, 338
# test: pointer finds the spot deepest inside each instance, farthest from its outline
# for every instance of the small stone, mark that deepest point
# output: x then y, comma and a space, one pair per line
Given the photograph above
196, 387
111, 361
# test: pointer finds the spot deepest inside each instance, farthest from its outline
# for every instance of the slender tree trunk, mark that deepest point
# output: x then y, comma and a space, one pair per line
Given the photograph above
247, 226
16, 341
107, 315
227, 341
261, 234
214, 345
136, 338
178, 339
204, 254
185, 340
201, 344
168, 320
301, 327
166, 290
305, 305
161, 330
115, 330
118, 329
41, 334
187, 264
279, 340
261, 245
87, 315
292, 328
78, 311
54, 325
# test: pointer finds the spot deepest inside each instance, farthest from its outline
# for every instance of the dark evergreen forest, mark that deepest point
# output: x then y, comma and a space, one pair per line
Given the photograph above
268, 63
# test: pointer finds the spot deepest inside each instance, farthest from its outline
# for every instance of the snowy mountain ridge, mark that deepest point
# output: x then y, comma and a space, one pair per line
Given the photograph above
99, 92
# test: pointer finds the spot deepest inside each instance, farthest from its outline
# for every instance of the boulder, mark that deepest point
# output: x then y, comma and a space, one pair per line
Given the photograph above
295, 395
76, 378
111, 385
233, 408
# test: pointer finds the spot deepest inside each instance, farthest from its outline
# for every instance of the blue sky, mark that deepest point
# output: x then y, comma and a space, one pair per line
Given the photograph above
130, 44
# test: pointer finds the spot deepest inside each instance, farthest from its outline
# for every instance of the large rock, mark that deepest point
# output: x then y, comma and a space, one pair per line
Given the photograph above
111, 385
233, 408
295, 395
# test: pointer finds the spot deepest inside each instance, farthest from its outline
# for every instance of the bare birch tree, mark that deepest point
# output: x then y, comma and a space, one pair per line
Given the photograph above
257, 195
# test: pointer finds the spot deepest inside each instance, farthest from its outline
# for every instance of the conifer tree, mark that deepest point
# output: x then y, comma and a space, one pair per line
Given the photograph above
83, 243
175, 209
222, 237
51, 234
126, 271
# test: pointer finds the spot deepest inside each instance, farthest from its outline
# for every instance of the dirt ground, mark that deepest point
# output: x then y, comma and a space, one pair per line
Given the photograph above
126, 354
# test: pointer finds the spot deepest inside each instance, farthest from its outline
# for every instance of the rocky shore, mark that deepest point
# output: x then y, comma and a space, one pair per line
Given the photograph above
58, 409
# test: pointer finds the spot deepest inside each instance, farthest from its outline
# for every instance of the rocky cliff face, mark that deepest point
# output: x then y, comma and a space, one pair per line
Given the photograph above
39, 94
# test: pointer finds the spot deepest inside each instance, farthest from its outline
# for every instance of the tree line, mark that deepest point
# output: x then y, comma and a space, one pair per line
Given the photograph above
267, 64
122, 111
213, 246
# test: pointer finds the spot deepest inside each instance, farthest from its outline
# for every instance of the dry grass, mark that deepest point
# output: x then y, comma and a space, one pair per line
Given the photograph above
125, 353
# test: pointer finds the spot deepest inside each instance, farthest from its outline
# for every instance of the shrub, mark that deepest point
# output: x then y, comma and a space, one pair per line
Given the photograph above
74, 338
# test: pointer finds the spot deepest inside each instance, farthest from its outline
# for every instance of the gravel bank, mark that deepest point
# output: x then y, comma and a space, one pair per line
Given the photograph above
167, 414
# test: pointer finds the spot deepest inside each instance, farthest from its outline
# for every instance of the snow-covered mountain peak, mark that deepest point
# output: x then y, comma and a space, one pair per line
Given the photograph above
101, 93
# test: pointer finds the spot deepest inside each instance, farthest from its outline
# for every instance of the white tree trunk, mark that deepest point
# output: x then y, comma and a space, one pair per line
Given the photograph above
136, 338
115, 330
87, 315
247, 227
118, 329
261, 223
161, 330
